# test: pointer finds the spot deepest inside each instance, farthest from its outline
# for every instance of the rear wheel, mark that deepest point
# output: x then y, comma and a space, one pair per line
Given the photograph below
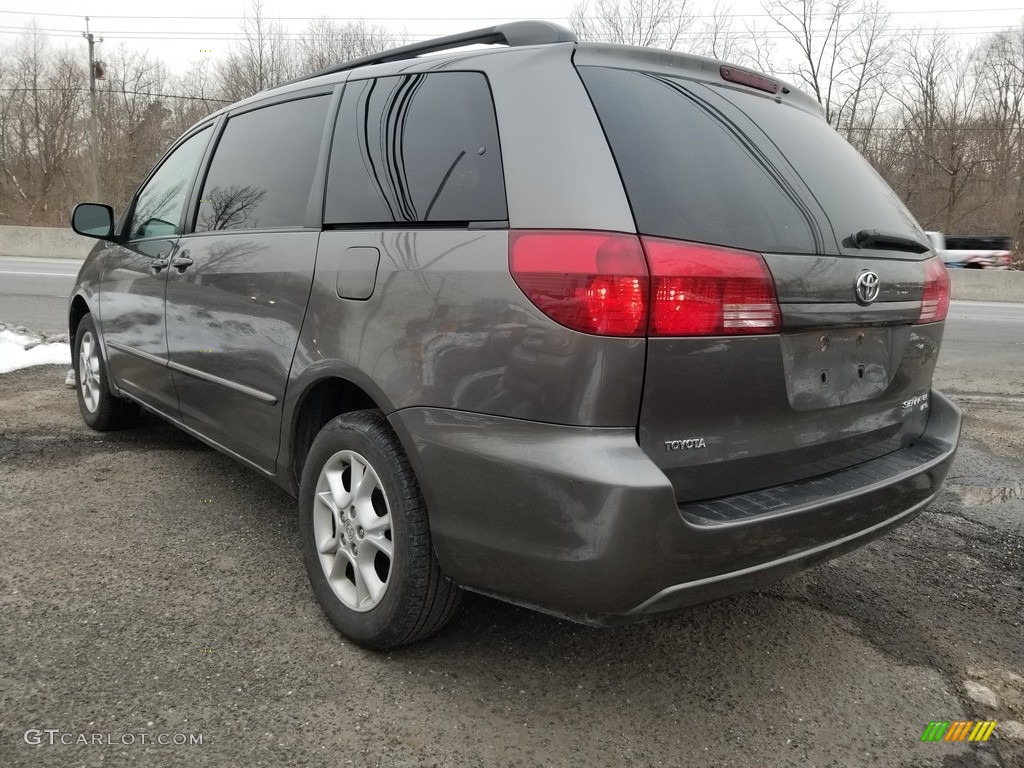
365, 536
100, 408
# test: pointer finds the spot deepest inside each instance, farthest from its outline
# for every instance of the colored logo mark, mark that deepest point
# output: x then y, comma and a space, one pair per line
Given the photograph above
959, 730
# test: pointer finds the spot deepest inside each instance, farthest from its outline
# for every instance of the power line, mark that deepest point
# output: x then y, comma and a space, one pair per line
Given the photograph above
483, 18
777, 34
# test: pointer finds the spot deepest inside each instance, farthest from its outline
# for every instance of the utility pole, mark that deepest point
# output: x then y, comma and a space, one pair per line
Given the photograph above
93, 132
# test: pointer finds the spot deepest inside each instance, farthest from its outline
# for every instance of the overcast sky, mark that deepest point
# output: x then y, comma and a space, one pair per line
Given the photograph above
189, 29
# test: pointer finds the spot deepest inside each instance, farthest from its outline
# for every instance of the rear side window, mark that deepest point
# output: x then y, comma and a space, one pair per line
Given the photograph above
416, 149
262, 170
689, 172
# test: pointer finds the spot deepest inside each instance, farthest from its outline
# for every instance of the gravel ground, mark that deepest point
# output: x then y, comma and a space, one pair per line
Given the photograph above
153, 589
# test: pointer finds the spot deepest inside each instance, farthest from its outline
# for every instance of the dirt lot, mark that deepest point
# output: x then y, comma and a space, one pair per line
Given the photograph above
153, 590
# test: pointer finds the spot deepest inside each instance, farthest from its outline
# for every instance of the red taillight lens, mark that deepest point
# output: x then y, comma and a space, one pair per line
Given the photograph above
935, 300
595, 282
705, 290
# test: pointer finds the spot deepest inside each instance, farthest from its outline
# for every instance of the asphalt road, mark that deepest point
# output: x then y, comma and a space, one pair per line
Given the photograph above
34, 292
983, 349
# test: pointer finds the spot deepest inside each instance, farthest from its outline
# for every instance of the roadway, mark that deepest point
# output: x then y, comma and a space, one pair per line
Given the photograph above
983, 349
34, 292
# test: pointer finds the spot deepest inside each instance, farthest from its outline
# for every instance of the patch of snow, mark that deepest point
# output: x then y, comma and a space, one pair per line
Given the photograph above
21, 349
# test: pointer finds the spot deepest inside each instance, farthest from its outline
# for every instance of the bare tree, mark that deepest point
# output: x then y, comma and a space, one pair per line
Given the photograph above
717, 37
326, 42
198, 92
133, 113
260, 59
655, 23
946, 173
821, 30
866, 59
760, 51
42, 142
999, 70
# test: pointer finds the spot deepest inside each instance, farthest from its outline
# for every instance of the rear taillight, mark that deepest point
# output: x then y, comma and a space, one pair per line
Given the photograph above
705, 290
935, 299
597, 282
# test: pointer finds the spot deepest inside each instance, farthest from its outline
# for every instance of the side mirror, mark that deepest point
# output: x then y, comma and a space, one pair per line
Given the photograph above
93, 220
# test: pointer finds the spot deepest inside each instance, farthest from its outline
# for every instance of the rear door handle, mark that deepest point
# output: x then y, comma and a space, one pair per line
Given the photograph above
157, 264
182, 262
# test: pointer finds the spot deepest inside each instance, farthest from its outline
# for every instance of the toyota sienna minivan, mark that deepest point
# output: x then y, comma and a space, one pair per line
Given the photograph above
600, 330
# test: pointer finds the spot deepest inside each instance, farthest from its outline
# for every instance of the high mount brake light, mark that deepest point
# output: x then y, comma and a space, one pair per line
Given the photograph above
601, 283
749, 79
935, 298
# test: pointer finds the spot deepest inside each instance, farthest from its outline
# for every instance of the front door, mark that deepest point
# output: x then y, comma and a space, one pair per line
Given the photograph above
238, 285
134, 280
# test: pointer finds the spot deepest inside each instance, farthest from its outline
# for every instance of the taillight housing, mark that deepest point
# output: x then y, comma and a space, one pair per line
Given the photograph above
613, 284
594, 282
706, 290
935, 299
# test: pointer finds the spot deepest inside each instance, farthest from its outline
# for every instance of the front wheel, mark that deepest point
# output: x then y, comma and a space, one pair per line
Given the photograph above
101, 409
366, 539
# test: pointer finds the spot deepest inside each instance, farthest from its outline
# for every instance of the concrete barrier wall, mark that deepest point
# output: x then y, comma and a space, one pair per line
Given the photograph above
52, 242
44, 242
987, 285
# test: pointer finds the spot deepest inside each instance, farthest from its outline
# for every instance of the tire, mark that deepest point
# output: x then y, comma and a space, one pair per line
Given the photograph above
370, 559
101, 409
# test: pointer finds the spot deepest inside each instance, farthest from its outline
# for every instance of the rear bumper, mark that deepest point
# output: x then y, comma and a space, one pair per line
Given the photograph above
578, 521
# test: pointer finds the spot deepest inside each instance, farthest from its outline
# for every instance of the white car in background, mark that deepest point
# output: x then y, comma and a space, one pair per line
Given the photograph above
970, 252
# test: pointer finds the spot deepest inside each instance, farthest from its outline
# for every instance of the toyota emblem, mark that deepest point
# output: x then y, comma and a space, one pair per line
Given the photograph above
867, 287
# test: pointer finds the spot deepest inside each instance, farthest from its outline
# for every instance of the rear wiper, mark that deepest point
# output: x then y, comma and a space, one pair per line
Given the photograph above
873, 238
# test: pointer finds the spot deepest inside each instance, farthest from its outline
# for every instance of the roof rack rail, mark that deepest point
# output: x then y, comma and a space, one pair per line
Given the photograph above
513, 34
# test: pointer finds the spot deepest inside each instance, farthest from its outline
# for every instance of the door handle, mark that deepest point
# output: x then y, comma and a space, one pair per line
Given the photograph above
182, 262
157, 264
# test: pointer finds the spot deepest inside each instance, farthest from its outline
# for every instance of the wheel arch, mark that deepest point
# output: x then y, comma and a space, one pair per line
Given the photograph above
322, 399
78, 309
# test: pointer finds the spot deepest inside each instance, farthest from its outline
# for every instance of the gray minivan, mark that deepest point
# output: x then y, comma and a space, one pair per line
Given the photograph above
600, 330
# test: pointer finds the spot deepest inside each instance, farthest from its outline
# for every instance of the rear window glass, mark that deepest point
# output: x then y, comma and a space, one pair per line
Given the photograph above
416, 148
852, 193
713, 164
689, 173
